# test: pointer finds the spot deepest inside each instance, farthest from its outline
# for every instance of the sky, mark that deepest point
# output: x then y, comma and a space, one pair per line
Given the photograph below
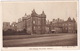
12, 11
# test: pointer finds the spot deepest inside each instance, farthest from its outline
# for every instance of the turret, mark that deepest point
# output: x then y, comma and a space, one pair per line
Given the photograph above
34, 14
69, 19
24, 17
74, 20
43, 14
19, 20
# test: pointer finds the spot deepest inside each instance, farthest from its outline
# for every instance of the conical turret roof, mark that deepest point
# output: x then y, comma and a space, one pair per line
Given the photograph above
33, 14
69, 19
43, 14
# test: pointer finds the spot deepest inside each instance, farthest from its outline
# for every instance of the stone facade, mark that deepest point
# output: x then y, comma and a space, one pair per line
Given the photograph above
6, 26
48, 29
34, 23
60, 26
37, 24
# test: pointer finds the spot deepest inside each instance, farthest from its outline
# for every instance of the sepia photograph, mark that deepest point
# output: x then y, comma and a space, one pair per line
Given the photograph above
39, 24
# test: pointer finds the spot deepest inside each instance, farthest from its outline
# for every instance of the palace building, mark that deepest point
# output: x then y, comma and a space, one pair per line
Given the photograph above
6, 26
33, 24
61, 26
37, 24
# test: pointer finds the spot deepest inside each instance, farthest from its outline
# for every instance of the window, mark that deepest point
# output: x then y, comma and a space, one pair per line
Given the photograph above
69, 24
66, 28
69, 27
33, 22
34, 27
63, 24
38, 27
66, 24
39, 22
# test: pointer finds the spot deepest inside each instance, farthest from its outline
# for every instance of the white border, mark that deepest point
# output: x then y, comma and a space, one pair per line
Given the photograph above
54, 48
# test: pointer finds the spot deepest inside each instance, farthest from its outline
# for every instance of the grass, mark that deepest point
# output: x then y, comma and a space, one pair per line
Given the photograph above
67, 42
27, 36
